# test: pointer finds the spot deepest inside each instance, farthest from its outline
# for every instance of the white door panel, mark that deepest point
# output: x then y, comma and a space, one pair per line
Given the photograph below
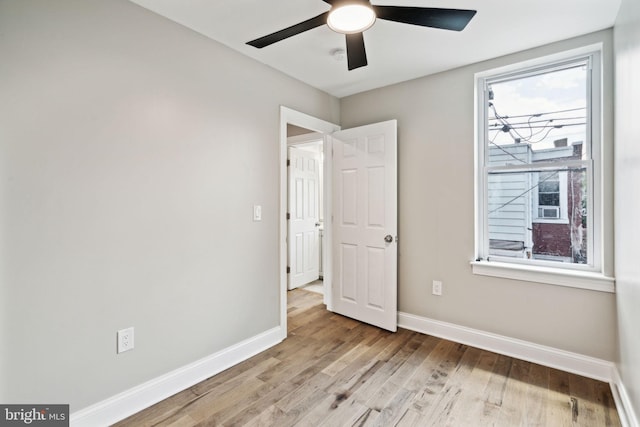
364, 213
303, 217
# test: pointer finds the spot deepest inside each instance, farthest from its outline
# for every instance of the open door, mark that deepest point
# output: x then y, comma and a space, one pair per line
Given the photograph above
364, 227
304, 219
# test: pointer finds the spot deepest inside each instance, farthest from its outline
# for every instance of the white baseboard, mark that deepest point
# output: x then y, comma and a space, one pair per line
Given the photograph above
628, 417
548, 356
131, 401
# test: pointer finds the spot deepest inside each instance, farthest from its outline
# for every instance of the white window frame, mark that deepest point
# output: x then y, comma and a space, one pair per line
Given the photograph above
585, 276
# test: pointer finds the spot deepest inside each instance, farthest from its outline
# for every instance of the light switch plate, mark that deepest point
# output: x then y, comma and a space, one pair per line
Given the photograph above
436, 288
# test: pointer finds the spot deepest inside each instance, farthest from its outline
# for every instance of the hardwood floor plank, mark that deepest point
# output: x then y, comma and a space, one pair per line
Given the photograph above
393, 410
185, 421
495, 390
558, 402
345, 360
515, 395
215, 408
298, 377
535, 411
344, 411
305, 396
410, 418
605, 399
471, 405
230, 381
589, 405
270, 417
319, 412
450, 409
425, 371
334, 371
431, 394
394, 384
368, 419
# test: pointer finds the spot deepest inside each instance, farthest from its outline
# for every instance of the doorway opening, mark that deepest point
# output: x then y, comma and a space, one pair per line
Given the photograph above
361, 210
303, 132
305, 213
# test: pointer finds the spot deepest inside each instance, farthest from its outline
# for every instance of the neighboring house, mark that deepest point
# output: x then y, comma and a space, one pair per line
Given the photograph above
537, 215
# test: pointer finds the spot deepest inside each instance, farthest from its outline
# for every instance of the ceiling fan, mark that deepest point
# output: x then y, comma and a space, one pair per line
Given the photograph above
352, 17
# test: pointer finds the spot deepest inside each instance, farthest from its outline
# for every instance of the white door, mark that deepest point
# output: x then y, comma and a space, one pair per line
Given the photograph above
304, 218
365, 224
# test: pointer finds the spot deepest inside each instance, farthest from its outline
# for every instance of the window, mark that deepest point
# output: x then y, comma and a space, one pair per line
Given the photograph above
549, 194
538, 195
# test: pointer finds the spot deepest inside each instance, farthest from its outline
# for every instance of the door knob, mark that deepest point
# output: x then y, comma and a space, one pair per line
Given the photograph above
388, 238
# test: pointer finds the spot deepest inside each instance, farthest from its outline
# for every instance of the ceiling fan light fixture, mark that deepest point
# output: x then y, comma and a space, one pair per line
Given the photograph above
351, 18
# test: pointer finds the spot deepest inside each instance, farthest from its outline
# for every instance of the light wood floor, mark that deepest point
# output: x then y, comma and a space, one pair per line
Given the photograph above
334, 371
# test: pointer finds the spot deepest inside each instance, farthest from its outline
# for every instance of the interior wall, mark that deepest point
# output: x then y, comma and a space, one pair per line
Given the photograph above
436, 214
132, 152
627, 204
293, 130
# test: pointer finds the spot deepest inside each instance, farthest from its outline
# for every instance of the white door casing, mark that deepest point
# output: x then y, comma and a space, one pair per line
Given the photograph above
297, 118
365, 224
304, 217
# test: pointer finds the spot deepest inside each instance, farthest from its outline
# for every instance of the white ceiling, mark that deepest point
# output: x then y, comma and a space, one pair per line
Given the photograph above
396, 52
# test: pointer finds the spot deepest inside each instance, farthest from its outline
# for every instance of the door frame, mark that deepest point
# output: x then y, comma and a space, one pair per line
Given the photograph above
293, 117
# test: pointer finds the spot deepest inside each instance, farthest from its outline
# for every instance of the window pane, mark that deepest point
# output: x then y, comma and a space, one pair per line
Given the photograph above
525, 223
549, 199
538, 112
549, 186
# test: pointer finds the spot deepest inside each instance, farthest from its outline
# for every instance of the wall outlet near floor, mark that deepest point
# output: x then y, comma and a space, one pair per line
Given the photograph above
436, 288
125, 340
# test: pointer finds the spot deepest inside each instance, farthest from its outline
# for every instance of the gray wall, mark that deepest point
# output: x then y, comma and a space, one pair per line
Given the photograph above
132, 151
627, 166
436, 215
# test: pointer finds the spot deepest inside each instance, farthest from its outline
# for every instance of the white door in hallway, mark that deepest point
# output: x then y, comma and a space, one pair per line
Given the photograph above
364, 224
304, 219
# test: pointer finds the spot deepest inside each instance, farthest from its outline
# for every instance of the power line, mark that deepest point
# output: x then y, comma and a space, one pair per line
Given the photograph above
518, 137
537, 127
546, 120
541, 114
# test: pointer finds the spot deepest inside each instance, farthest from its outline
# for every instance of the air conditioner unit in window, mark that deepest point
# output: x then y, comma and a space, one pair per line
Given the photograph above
549, 212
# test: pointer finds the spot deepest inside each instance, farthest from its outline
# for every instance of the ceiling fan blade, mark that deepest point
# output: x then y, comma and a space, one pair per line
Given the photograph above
293, 30
446, 19
329, 1
356, 54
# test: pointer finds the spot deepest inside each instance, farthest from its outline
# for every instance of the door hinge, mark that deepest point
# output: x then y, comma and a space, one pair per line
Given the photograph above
288, 269
288, 215
288, 162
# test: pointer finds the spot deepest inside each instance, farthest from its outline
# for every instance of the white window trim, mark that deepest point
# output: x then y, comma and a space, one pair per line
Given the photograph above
548, 275
571, 275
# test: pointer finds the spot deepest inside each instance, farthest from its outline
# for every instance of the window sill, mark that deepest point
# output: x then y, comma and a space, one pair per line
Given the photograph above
551, 276
550, 220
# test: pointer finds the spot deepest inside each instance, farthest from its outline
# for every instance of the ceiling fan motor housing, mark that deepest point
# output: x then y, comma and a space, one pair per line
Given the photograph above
350, 17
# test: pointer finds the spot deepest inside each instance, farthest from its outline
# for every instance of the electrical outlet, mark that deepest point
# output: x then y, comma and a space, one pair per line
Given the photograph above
437, 288
125, 339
